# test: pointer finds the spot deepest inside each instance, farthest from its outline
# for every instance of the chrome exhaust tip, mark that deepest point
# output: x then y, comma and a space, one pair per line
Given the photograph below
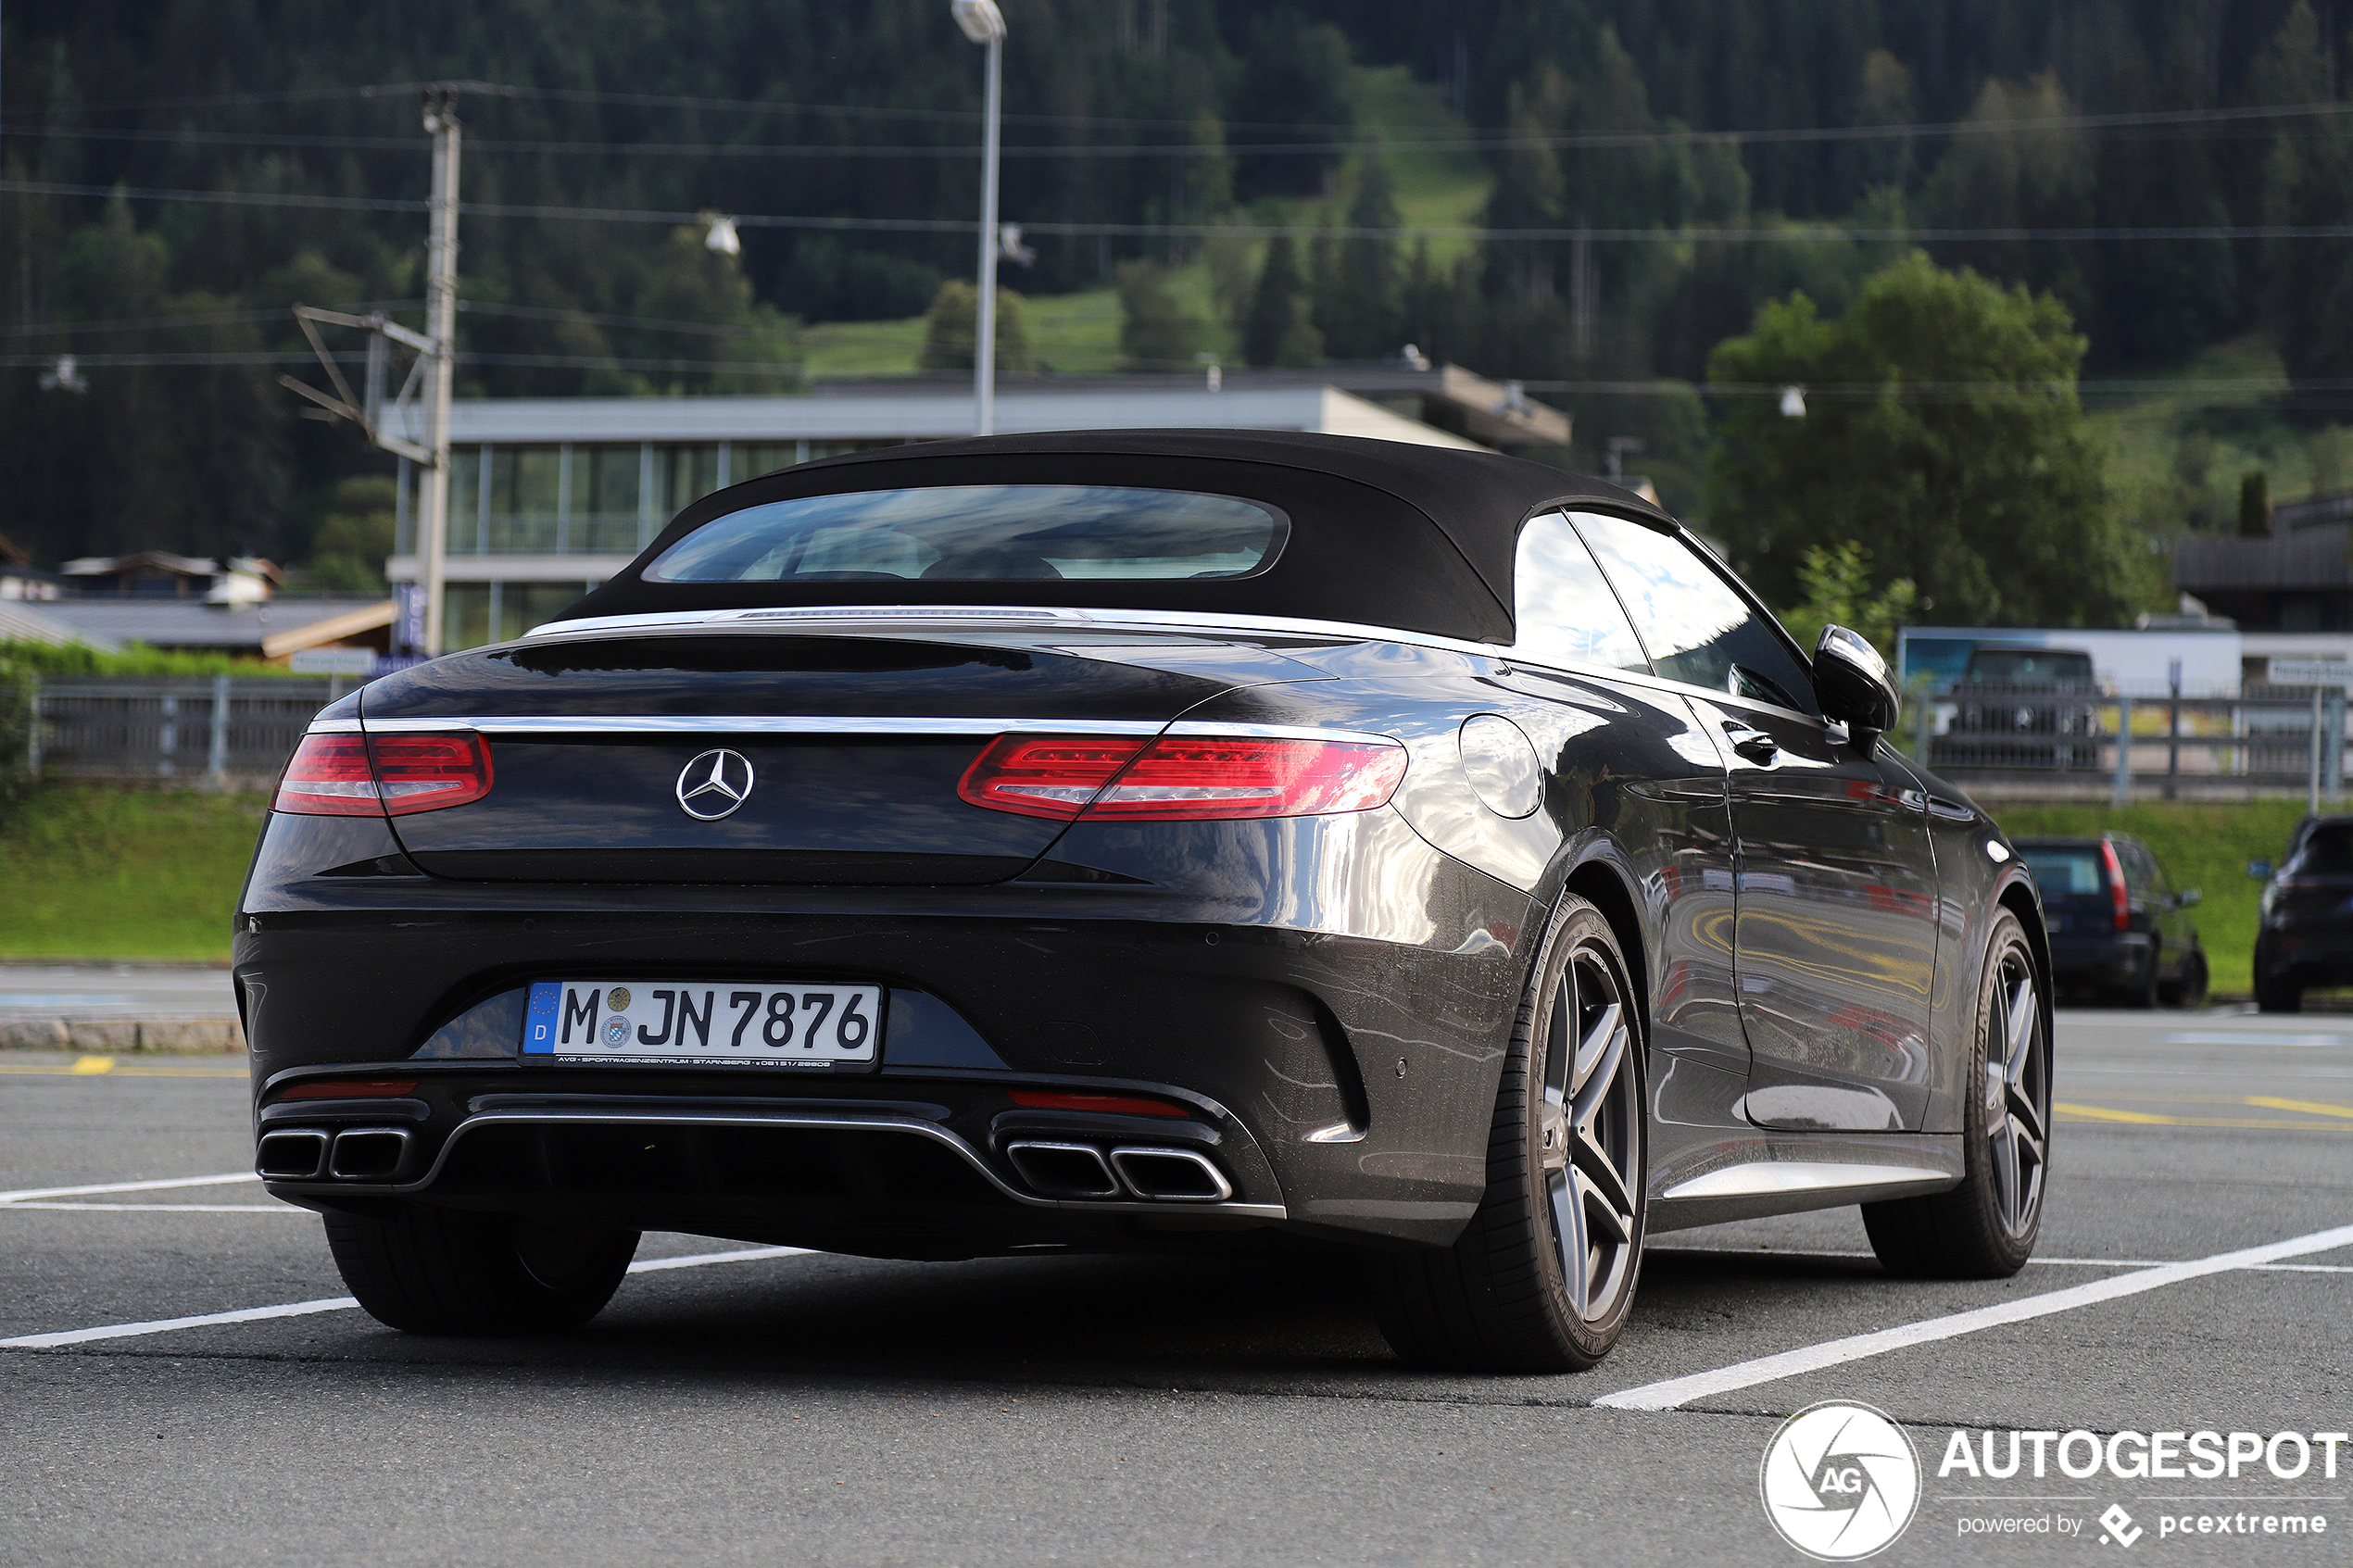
1063, 1170
1172, 1175
369, 1154
293, 1155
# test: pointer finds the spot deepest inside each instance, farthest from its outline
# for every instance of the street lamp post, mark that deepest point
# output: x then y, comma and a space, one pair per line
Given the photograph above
983, 24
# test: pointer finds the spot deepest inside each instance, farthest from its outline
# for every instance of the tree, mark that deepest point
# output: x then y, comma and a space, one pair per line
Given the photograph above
2308, 181
954, 325
1836, 580
348, 555
1356, 309
1942, 426
1156, 333
1276, 330
1293, 87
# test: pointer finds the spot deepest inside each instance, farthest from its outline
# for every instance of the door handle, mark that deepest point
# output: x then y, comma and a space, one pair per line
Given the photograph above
1755, 745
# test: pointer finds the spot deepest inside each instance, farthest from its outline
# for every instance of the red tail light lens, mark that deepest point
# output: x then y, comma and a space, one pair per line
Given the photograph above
1046, 775
428, 772
353, 1088
2122, 900
329, 776
376, 776
1181, 778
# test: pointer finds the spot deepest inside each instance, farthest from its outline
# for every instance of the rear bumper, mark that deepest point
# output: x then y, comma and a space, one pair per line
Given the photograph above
1337, 1040
2113, 959
2306, 958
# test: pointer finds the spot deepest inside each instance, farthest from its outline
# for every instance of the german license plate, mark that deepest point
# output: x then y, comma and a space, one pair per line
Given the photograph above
686, 1022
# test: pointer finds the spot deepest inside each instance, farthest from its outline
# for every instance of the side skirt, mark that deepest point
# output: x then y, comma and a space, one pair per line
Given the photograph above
1789, 1174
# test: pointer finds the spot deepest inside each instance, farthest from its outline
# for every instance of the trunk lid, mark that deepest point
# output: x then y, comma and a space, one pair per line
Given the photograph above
855, 745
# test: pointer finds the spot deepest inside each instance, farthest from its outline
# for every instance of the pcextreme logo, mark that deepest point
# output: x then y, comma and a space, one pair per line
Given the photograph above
1840, 1481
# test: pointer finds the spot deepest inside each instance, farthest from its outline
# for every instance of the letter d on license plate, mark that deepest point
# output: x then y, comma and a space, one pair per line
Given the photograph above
694, 1023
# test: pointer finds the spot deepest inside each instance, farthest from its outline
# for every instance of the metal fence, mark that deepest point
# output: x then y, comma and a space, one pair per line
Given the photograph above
215, 731
2265, 740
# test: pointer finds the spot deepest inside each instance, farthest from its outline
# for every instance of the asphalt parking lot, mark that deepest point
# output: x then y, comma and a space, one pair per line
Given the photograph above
760, 1405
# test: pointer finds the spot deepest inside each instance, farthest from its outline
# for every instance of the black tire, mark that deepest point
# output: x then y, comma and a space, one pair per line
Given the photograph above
2187, 989
2276, 994
1567, 1155
1986, 1227
2148, 988
439, 1270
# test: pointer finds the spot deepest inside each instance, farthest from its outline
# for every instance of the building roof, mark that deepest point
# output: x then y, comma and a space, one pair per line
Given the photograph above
190, 623
1421, 537
913, 410
21, 621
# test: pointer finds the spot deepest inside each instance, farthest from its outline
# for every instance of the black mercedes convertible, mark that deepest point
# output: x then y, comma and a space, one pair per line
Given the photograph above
1143, 840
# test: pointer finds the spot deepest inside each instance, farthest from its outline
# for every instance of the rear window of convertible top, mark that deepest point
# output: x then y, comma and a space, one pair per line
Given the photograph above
981, 534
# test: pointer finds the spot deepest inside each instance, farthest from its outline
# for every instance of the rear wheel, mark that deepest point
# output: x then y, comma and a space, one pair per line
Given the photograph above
2147, 988
1543, 1278
1986, 1227
2273, 994
437, 1271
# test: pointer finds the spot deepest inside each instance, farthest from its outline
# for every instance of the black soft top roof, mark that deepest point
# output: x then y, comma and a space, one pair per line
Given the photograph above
1382, 532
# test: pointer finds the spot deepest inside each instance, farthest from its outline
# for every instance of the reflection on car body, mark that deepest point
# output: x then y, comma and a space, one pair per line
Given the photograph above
1143, 840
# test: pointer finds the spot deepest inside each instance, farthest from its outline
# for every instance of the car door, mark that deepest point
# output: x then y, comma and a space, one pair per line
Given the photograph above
1659, 789
1835, 926
2152, 898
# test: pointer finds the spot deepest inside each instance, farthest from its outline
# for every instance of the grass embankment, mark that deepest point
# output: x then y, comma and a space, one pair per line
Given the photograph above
111, 873
2205, 846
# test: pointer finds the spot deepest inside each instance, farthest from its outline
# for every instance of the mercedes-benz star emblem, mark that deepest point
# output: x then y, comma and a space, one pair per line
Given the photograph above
713, 784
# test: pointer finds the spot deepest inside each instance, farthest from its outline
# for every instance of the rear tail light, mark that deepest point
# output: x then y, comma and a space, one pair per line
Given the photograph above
2116, 895
1180, 778
353, 1088
379, 776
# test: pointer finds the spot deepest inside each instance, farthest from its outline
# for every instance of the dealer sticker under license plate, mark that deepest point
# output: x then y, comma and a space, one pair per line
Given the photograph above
668, 1020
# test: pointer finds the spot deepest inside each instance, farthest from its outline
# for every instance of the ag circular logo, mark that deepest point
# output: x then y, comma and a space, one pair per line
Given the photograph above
714, 783
1840, 1481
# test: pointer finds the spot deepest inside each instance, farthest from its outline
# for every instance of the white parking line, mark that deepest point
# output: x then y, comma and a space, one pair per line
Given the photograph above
1676, 1391
341, 1304
128, 1186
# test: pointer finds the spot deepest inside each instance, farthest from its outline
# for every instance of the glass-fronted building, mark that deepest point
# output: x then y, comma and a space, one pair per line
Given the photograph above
548, 497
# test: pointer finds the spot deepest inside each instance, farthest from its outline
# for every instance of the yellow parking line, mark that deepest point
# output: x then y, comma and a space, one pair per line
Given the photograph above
96, 1065
2317, 1108
2142, 1119
2101, 1113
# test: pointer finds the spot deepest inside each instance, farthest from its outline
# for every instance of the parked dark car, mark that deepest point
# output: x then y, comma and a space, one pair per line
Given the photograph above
2306, 938
2118, 927
2022, 706
1143, 841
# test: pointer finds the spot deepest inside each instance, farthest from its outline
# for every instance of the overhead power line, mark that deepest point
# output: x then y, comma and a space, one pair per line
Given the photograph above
1740, 234
1436, 138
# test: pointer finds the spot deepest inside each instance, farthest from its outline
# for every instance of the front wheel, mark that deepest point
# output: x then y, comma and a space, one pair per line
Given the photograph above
441, 1271
1986, 1227
1542, 1280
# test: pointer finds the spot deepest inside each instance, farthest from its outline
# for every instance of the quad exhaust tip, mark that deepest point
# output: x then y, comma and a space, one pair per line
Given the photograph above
1063, 1170
1173, 1175
1080, 1171
297, 1156
356, 1154
368, 1154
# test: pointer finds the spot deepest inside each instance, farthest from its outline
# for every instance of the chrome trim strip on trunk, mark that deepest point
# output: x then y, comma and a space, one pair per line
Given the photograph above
761, 724
842, 724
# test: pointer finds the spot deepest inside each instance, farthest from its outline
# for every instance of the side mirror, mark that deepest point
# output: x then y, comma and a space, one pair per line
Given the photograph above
1854, 685
2260, 870
2189, 898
